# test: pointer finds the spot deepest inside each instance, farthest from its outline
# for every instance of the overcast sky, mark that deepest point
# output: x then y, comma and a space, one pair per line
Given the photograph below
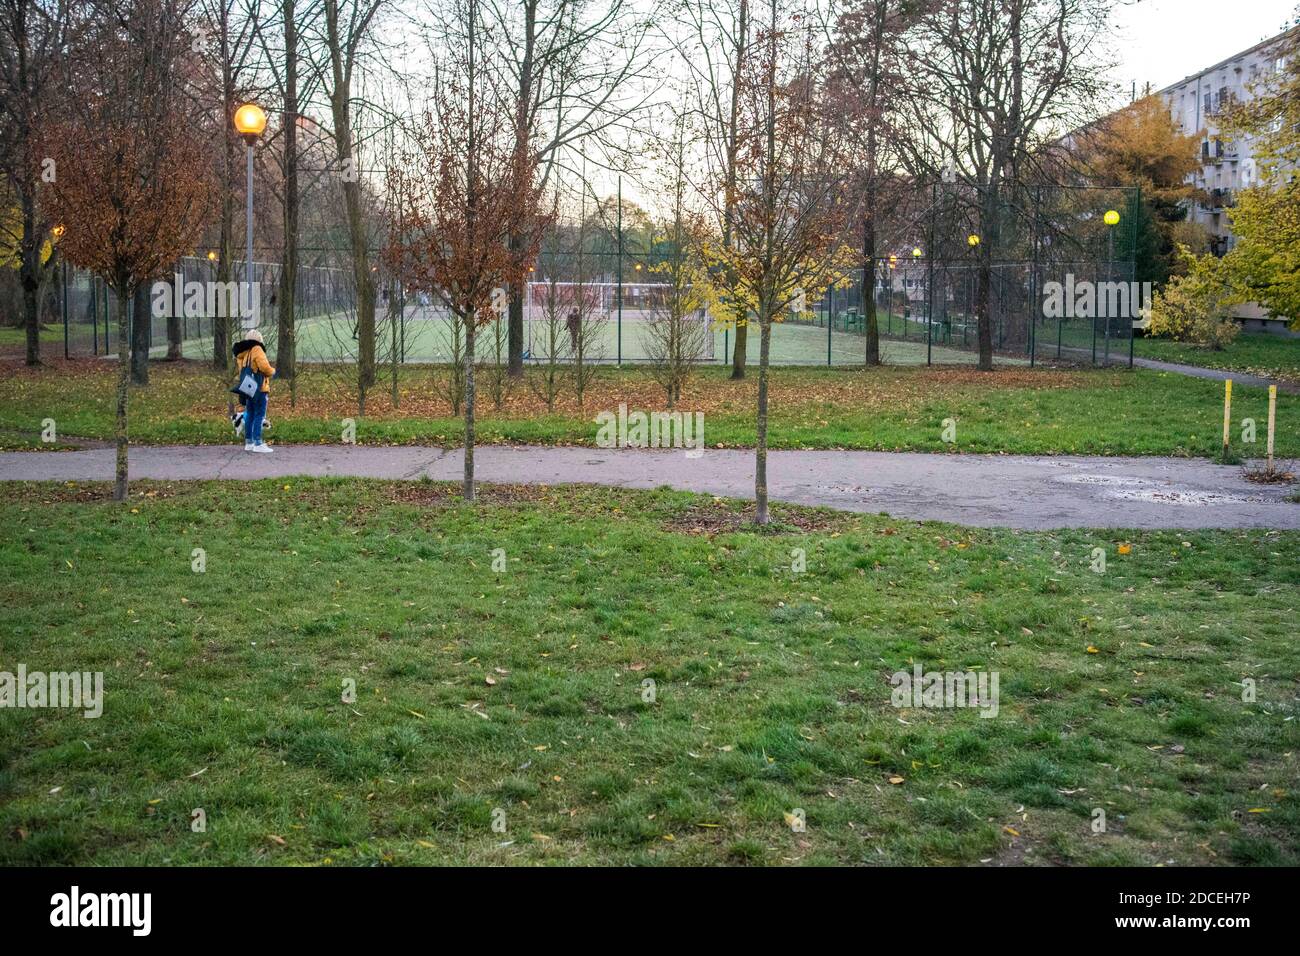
1163, 41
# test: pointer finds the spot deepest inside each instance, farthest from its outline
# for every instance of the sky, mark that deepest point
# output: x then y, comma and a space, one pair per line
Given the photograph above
1163, 41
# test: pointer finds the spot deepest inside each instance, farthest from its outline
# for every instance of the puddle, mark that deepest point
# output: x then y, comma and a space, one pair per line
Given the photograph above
1127, 488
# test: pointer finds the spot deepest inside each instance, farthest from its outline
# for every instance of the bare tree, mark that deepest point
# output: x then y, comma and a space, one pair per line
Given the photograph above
716, 54
678, 331
346, 33
787, 205
992, 81
464, 192
222, 34
575, 69
866, 58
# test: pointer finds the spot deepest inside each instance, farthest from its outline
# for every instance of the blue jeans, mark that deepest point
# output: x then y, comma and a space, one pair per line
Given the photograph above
254, 413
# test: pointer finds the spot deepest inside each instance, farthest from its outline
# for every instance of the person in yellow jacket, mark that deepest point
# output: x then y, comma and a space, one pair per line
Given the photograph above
251, 352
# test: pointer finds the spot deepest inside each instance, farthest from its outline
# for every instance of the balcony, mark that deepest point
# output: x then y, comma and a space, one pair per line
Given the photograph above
1217, 200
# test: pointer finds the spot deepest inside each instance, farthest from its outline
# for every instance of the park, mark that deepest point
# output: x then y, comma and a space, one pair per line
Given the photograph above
740, 437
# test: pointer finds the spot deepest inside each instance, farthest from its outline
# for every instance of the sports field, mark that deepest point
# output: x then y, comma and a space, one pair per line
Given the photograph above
426, 337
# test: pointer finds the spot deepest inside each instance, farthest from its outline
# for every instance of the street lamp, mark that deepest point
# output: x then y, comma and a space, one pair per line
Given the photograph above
972, 240
1111, 219
250, 121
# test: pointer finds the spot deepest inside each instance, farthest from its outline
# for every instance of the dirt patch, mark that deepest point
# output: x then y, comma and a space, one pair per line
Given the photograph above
443, 493
721, 517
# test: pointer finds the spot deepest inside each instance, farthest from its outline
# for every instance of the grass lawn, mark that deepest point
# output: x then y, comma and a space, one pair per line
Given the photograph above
523, 691
1014, 410
1256, 354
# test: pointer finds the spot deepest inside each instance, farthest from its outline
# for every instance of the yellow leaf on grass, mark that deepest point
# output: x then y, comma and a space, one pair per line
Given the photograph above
895, 780
1012, 830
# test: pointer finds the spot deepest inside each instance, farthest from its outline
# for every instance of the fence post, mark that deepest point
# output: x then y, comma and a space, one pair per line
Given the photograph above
929, 280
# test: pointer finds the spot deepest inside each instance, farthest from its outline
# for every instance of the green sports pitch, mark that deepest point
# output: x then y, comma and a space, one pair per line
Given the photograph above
425, 337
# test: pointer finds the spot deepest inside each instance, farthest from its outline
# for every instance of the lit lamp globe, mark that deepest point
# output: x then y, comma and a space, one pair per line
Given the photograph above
58, 231
972, 240
1111, 218
250, 121
916, 253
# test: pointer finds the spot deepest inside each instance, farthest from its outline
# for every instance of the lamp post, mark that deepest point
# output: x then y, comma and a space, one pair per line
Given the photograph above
973, 240
1111, 219
250, 121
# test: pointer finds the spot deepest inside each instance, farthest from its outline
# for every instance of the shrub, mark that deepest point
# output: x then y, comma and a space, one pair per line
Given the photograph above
1196, 307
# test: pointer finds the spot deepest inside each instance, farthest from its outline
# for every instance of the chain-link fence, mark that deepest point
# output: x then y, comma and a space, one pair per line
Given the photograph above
1056, 276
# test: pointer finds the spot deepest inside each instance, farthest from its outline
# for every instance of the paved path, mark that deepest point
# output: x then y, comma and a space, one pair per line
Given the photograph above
979, 490
1214, 374
1193, 371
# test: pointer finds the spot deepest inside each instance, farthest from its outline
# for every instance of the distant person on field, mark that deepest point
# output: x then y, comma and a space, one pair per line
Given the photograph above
574, 323
250, 353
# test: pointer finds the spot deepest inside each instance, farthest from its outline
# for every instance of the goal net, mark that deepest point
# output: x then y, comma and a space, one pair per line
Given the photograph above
624, 313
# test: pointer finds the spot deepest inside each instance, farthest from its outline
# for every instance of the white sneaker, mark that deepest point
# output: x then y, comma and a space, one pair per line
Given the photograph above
264, 449
249, 446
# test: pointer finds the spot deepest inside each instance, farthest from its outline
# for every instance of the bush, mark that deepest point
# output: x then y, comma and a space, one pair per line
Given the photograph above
1196, 307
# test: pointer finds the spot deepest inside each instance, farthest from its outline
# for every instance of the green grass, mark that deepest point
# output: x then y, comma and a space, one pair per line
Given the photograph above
1272, 356
328, 338
1018, 411
223, 689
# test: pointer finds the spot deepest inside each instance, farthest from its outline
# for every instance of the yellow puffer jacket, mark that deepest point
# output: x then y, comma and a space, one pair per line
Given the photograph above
256, 356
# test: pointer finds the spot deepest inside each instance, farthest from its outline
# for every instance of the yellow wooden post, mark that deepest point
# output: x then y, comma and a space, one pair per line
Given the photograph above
1272, 412
1227, 415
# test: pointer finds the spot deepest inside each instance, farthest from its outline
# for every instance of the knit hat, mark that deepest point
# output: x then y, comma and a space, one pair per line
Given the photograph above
252, 335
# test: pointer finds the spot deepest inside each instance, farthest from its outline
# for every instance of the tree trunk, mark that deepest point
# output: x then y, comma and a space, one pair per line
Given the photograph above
30, 278
733, 137
515, 330
760, 442
869, 280
286, 347
140, 336
470, 332
32, 321
738, 352
984, 283
365, 283
123, 388
984, 277
174, 338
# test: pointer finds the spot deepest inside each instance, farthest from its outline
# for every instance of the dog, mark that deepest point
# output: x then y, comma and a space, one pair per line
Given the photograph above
237, 423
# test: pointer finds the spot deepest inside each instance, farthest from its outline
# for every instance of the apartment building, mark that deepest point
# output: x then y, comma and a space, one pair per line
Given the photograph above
1197, 102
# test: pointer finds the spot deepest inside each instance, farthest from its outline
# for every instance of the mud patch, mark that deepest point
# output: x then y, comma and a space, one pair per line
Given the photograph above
722, 517
1126, 488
